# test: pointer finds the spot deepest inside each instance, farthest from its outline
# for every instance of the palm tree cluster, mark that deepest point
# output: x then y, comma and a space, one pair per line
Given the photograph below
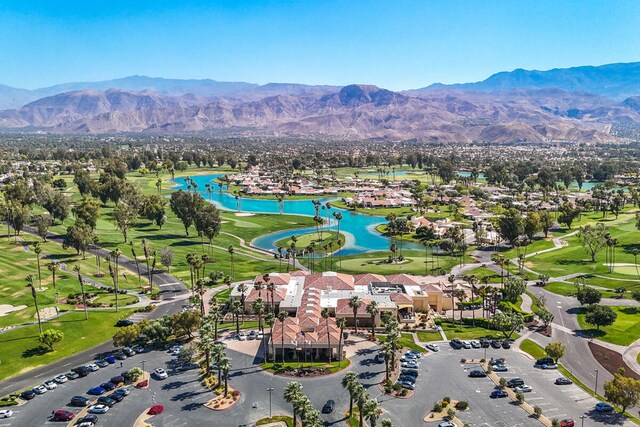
302, 406
368, 409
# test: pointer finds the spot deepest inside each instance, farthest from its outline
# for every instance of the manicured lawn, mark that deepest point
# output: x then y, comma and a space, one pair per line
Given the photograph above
21, 350
279, 367
535, 246
406, 341
484, 272
223, 296
284, 418
624, 331
568, 289
466, 332
123, 300
532, 348
612, 283
320, 240
428, 336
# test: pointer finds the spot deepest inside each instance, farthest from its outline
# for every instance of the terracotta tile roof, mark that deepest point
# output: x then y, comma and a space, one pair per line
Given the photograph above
404, 279
401, 298
337, 281
368, 278
342, 307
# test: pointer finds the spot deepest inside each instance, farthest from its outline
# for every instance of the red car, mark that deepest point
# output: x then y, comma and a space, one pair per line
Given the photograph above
62, 415
567, 423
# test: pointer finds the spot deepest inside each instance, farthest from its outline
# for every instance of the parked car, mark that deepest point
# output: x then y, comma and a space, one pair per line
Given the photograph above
27, 395
160, 374
50, 385
62, 415
6, 413
111, 359
222, 343
379, 358
485, 343
515, 382
524, 388
118, 379
446, 424
544, 361
116, 396
120, 356
123, 391
501, 368
433, 347
409, 385
252, 335
563, 381
104, 400
496, 343
603, 407
39, 389
72, 375
96, 391
79, 401
260, 335
499, 361
241, 336
466, 344
102, 363
477, 374
139, 349
414, 353
411, 372
129, 351
549, 366
495, 394
475, 344
99, 409
410, 365
123, 322
456, 343
89, 420
108, 386
328, 407
408, 358
506, 344
60, 379
82, 371
567, 423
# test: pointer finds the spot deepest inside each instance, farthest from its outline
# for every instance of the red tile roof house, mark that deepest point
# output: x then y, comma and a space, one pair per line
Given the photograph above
303, 296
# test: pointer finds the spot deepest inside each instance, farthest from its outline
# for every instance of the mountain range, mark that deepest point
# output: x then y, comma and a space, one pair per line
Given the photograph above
579, 104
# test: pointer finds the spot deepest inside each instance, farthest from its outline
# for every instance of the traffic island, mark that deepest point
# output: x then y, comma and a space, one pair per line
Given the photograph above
276, 421
141, 421
222, 402
305, 370
445, 410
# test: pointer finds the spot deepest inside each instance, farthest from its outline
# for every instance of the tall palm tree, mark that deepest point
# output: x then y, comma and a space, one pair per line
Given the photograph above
231, 251
355, 303
217, 354
361, 398
387, 351
225, 366
34, 295
292, 393
372, 412
472, 279
452, 279
341, 323
37, 249
258, 286
200, 290
135, 259
258, 308
207, 340
372, 309
304, 408
53, 267
191, 260
338, 217
236, 310
461, 295
325, 316
76, 268
214, 313
282, 315
349, 382
270, 319
115, 273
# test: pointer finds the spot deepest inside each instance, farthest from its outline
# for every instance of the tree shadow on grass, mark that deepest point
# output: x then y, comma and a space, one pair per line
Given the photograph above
592, 333
35, 351
630, 310
574, 262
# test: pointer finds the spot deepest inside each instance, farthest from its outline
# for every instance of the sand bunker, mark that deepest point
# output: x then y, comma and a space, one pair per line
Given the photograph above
6, 308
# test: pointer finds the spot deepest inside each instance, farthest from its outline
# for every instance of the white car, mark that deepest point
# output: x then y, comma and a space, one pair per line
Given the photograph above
241, 336
414, 353
160, 373
93, 367
466, 344
433, 347
61, 379
260, 335
5, 413
523, 388
50, 385
40, 389
475, 344
98, 409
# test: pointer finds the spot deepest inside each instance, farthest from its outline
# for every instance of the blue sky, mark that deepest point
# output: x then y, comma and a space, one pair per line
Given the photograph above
396, 44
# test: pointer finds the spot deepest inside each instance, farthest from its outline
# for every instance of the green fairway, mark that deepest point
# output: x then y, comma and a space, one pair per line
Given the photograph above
21, 350
624, 331
324, 242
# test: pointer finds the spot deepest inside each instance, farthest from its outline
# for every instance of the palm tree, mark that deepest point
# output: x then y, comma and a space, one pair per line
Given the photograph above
258, 308
76, 268
303, 407
349, 382
393, 339
135, 259
341, 323
372, 412
37, 249
270, 320
225, 366
452, 278
338, 217
214, 313
53, 267
258, 286
325, 316
200, 290
355, 303
387, 351
361, 398
372, 309
191, 260
206, 340
472, 279
635, 252
115, 273
312, 418
242, 288
292, 393
34, 295
236, 309
282, 315
394, 249
271, 289
217, 354
462, 296
231, 252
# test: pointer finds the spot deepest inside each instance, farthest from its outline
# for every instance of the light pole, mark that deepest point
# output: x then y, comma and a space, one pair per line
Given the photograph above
142, 362
270, 389
595, 390
582, 417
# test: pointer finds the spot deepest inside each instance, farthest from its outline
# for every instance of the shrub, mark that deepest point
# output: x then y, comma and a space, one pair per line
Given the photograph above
397, 387
503, 382
235, 393
135, 373
483, 360
437, 407
404, 392
555, 423
463, 405
520, 397
451, 412
537, 411
446, 400
463, 360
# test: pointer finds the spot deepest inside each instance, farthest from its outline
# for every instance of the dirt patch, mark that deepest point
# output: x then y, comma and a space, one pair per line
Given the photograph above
611, 360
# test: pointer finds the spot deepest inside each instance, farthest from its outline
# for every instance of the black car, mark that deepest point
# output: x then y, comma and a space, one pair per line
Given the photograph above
106, 401
563, 381
124, 322
506, 344
27, 395
545, 361
129, 351
499, 361
515, 382
485, 343
82, 371
411, 372
120, 356
496, 343
118, 379
89, 418
126, 375
79, 401
405, 377
456, 343
328, 407
477, 374
116, 396
108, 386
